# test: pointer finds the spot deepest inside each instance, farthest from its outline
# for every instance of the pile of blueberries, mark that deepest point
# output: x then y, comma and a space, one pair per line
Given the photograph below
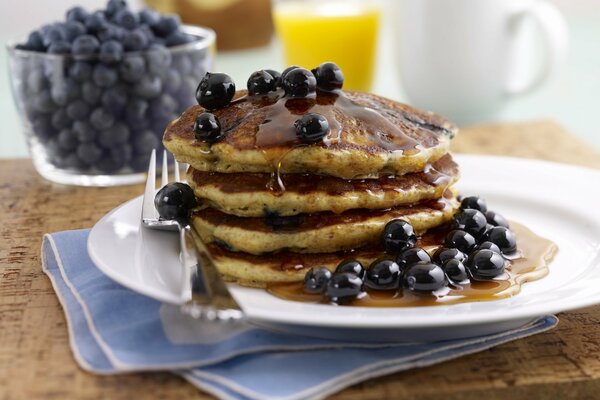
476, 248
102, 103
216, 90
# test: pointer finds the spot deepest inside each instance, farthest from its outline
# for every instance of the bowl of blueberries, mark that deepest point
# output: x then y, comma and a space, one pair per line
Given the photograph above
97, 90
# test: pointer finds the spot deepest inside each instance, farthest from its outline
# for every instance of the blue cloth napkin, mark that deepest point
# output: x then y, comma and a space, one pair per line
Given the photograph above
115, 330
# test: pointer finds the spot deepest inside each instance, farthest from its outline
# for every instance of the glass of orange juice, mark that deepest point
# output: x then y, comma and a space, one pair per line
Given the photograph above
342, 31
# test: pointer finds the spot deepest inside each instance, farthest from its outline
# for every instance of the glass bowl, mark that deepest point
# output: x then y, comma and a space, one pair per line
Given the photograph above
94, 124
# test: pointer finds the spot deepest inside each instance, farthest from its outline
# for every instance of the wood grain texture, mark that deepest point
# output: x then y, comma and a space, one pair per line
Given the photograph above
36, 362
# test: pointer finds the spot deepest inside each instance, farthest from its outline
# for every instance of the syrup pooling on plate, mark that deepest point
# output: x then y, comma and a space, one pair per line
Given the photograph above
535, 255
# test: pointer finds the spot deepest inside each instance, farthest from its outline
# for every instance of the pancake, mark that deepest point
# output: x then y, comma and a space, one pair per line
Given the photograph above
257, 195
319, 232
369, 136
257, 271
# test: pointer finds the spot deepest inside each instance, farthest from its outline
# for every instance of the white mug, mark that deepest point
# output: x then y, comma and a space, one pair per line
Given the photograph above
465, 58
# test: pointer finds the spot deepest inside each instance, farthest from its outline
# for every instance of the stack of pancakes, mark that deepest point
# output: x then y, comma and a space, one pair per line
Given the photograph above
272, 207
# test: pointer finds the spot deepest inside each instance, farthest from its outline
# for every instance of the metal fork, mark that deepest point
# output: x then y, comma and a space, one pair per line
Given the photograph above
210, 298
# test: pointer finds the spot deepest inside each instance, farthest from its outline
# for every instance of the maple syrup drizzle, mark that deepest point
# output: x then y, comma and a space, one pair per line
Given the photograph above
531, 264
437, 174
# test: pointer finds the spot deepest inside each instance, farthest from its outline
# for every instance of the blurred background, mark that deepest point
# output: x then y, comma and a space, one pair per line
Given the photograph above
250, 36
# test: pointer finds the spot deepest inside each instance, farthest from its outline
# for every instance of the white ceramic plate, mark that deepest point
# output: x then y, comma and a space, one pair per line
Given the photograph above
556, 201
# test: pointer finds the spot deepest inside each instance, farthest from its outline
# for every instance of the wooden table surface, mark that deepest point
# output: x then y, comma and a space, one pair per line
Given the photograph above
36, 362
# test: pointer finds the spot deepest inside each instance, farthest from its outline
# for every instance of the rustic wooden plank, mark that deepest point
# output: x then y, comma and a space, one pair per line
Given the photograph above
36, 362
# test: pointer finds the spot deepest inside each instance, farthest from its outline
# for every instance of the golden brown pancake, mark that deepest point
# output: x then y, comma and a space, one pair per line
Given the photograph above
255, 270
316, 233
259, 194
369, 136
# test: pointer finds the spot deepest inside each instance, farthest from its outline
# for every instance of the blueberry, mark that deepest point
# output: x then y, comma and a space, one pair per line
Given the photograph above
36, 81
54, 33
471, 221
424, 278
135, 40
175, 200
443, 254
461, 240
77, 14
89, 152
278, 223
329, 76
148, 87
110, 32
73, 29
135, 110
54, 152
260, 82
215, 91
144, 142
139, 162
132, 68
80, 71
148, 16
158, 58
299, 82
383, 274
485, 264
311, 127
42, 127
84, 131
111, 52
473, 203
163, 107
101, 119
78, 110
352, 267
35, 42
276, 75
503, 237
71, 161
67, 139
412, 256
114, 99
166, 25
182, 63
316, 280
121, 154
285, 71
85, 45
43, 102
65, 91
95, 22
178, 38
108, 164
114, 6
172, 81
344, 287
145, 29
60, 119
207, 127
456, 271
113, 136
126, 19
104, 76
90, 93
59, 47
489, 246
398, 235
496, 219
